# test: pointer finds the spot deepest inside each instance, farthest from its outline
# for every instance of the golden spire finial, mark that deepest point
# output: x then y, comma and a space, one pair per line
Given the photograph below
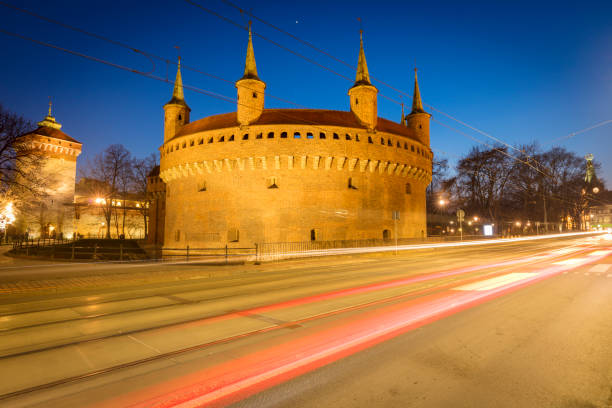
178, 95
403, 120
50, 104
250, 67
417, 104
363, 76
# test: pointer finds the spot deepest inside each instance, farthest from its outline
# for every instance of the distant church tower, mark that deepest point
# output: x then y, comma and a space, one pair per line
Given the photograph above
176, 111
418, 119
53, 213
363, 95
251, 89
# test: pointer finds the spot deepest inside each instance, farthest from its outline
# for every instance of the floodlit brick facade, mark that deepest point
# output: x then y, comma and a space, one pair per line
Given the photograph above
277, 175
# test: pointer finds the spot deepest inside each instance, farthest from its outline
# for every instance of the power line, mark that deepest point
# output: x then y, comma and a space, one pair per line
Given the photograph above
576, 133
225, 98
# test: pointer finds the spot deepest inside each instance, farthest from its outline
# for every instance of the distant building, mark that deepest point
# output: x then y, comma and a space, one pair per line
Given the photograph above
269, 175
67, 208
51, 215
600, 216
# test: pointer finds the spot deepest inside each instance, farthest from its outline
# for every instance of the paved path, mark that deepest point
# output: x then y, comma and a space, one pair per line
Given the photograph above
144, 339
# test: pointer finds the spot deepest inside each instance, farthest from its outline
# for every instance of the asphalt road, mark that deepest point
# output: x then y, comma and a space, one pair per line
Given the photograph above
516, 324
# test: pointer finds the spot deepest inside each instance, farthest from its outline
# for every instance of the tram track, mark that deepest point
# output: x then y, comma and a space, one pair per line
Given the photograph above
406, 296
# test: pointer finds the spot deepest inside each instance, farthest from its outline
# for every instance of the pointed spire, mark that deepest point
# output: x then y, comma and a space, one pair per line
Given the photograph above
49, 120
417, 104
363, 77
403, 120
178, 96
250, 68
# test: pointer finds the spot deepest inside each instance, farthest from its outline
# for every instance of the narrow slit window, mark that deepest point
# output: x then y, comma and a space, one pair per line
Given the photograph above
408, 188
272, 182
370, 140
222, 139
201, 141
321, 135
191, 143
382, 141
389, 142
210, 140
309, 135
356, 138
351, 184
259, 136
336, 136
297, 135
284, 135
231, 138
184, 145
271, 135
245, 136
399, 146
348, 137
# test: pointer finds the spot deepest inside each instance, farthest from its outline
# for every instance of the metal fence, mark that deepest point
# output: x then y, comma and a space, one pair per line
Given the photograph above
284, 250
77, 249
226, 254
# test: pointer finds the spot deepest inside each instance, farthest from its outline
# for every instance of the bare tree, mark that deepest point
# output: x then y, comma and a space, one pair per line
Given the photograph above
141, 170
106, 175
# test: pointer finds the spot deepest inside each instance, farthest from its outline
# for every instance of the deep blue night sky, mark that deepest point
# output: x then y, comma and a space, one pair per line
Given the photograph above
521, 71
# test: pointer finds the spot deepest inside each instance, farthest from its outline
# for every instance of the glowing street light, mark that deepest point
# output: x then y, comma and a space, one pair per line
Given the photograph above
476, 218
442, 202
518, 223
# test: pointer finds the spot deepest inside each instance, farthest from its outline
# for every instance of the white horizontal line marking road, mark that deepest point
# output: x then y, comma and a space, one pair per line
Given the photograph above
496, 282
573, 261
600, 268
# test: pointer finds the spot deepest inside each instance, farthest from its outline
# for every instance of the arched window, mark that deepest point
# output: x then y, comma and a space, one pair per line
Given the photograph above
370, 140
389, 142
382, 141
405, 145
201, 141
412, 148
386, 234
184, 145
356, 138
408, 188
284, 135
180, 117
399, 146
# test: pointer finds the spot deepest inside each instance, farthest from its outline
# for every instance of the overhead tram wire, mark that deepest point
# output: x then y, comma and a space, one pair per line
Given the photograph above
250, 14
158, 78
134, 49
513, 158
576, 133
210, 93
189, 87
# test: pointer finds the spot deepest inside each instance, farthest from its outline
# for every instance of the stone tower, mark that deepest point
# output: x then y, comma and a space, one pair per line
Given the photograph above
418, 119
176, 111
52, 213
251, 90
363, 94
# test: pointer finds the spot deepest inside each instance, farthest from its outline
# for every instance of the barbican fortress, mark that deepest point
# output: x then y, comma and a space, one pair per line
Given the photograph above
282, 175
